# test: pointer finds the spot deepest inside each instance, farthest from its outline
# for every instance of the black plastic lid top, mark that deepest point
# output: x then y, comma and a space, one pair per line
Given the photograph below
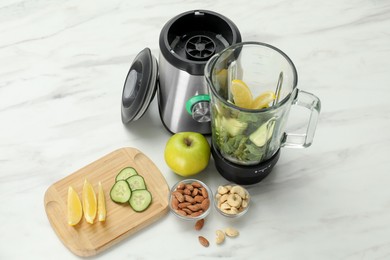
140, 86
188, 40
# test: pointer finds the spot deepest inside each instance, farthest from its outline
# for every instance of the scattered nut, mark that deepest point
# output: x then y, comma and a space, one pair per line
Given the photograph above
220, 237
231, 232
199, 224
203, 241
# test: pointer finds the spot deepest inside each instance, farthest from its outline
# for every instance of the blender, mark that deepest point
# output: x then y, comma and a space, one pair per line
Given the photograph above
252, 88
187, 42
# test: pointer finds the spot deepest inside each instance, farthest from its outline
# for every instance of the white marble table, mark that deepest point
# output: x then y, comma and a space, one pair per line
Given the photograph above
62, 68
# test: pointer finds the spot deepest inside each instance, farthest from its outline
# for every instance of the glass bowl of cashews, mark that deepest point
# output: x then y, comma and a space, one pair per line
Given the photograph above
231, 200
190, 199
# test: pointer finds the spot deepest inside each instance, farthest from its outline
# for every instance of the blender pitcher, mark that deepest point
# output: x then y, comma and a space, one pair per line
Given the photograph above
252, 88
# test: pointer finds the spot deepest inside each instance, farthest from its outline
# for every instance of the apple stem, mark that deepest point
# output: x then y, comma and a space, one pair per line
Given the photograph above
188, 141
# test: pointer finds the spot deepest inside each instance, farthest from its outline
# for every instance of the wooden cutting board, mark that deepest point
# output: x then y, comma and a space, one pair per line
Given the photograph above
85, 239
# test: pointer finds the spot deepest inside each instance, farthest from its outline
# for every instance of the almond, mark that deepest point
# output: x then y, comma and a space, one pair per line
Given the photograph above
181, 186
195, 192
196, 184
195, 207
203, 241
197, 214
178, 196
181, 212
205, 204
189, 187
175, 203
188, 198
183, 205
199, 224
199, 198
204, 192
189, 212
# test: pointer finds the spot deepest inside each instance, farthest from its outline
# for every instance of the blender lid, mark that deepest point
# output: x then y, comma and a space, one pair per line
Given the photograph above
140, 86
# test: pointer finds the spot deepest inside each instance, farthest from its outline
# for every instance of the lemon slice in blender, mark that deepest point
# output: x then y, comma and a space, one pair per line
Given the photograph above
242, 95
89, 202
75, 210
263, 100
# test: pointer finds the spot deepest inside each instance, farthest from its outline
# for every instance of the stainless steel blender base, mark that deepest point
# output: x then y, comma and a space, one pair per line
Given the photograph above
241, 174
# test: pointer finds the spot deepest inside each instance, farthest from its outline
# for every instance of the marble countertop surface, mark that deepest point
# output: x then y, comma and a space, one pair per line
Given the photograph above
62, 69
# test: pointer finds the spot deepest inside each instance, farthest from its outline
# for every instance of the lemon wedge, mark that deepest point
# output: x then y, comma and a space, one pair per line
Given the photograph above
101, 204
263, 100
75, 210
89, 202
242, 95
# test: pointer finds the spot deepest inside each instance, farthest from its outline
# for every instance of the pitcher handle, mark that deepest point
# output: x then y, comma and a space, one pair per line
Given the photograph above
313, 103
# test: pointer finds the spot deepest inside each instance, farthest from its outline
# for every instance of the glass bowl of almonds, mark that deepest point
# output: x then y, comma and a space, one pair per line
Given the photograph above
190, 199
231, 200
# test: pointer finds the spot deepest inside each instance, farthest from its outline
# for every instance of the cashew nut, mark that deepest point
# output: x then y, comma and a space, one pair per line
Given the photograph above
231, 232
220, 237
244, 203
225, 205
239, 190
234, 200
233, 210
223, 198
222, 190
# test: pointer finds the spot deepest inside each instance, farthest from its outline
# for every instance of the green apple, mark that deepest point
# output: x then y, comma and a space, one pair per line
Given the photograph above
187, 153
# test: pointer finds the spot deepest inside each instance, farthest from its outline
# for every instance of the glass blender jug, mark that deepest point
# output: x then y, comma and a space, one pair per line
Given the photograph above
252, 88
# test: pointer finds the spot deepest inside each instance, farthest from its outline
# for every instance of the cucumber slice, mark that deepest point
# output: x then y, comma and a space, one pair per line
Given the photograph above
126, 173
120, 192
263, 133
136, 182
140, 200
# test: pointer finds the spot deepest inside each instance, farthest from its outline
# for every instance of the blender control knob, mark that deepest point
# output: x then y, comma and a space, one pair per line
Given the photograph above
199, 108
201, 112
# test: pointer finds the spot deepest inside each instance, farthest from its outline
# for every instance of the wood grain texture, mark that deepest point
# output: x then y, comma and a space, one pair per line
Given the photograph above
87, 240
